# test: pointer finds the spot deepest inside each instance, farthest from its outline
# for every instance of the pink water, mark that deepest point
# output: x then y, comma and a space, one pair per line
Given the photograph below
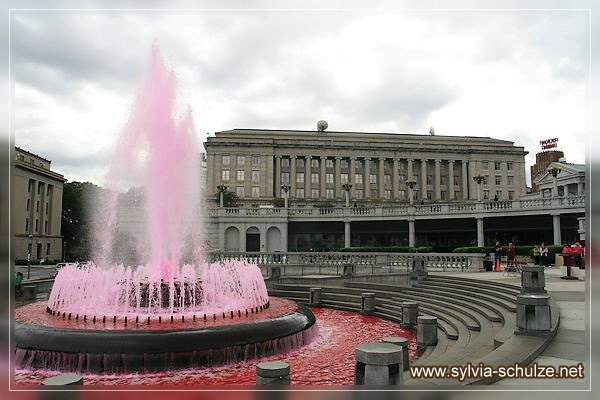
328, 360
157, 150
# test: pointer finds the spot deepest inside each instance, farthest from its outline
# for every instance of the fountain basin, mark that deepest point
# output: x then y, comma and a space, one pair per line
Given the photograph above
86, 347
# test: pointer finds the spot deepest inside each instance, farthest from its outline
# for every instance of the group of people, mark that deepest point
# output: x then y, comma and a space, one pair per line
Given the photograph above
540, 255
577, 250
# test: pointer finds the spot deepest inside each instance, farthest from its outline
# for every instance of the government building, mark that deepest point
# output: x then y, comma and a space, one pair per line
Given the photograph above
325, 190
37, 208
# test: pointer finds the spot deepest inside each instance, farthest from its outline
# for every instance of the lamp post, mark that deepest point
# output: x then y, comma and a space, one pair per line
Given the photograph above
221, 189
479, 179
286, 189
29, 244
411, 184
554, 171
347, 187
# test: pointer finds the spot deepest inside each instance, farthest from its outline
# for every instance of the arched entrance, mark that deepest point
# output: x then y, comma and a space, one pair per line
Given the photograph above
232, 239
252, 239
273, 239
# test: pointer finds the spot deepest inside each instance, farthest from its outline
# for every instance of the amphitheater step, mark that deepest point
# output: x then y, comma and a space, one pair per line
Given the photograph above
466, 287
473, 281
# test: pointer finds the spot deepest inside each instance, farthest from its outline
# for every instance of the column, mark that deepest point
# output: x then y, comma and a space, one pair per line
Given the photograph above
269, 177
580, 190
465, 181
292, 192
277, 177
409, 170
211, 170
307, 177
346, 234
472, 185
367, 178
322, 180
438, 181
423, 178
284, 237
450, 179
338, 193
395, 179
380, 179
556, 230
351, 177
411, 233
480, 241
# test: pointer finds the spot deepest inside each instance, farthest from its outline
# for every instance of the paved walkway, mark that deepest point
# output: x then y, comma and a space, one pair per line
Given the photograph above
571, 343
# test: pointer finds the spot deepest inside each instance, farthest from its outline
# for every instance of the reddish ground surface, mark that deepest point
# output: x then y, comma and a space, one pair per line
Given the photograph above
35, 314
328, 360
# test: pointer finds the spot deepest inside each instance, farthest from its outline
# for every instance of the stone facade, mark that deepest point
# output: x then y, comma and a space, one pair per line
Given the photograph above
37, 207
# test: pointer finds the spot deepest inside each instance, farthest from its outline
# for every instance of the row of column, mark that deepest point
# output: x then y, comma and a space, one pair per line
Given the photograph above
395, 184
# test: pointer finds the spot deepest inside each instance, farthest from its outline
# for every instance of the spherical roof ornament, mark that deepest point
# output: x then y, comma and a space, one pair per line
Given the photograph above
322, 125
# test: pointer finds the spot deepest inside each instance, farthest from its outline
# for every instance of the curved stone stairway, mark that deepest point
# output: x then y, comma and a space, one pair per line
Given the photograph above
476, 319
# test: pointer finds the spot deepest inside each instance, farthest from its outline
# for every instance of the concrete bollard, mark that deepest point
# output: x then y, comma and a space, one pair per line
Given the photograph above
410, 312
402, 342
533, 280
63, 379
275, 273
419, 272
533, 314
426, 331
367, 303
29, 292
315, 296
273, 373
378, 364
348, 270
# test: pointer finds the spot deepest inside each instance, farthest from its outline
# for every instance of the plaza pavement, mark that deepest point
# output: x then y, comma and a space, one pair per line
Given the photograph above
570, 346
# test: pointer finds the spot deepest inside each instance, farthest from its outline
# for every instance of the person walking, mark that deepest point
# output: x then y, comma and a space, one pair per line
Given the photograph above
511, 254
536, 254
578, 250
497, 256
544, 255
18, 282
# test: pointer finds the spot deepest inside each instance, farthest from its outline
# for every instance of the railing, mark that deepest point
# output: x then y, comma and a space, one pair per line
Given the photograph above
336, 263
403, 209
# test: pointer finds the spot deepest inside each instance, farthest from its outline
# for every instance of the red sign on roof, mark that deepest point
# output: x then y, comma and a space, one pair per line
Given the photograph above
549, 143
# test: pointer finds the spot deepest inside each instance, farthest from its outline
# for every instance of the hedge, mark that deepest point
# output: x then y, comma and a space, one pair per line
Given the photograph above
37, 262
388, 249
520, 250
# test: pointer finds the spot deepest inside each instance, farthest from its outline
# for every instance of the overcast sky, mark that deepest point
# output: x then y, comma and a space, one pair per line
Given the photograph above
514, 75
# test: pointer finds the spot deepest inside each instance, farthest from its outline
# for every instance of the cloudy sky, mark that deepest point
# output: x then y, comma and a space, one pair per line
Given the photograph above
515, 75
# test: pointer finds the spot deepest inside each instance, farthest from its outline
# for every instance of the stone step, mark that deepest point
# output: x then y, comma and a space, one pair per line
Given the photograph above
433, 352
510, 306
497, 294
474, 281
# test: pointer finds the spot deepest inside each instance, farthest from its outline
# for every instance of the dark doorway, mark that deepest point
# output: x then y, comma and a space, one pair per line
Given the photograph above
252, 239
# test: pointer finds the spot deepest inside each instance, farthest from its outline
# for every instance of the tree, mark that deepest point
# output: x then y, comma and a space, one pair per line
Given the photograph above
230, 199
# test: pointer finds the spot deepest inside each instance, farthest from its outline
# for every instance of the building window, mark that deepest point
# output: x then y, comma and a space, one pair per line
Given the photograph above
26, 224
47, 206
484, 165
225, 175
486, 194
429, 179
314, 193
240, 191
359, 164
329, 163
45, 226
456, 180
402, 194
300, 193
329, 178
329, 193
497, 166
443, 180
387, 179
402, 179
511, 195
255, 191
374, 193
285, 177
300, 163
37, 223
241, 161
415, 193
314, 178
373, 178
344, 178
509, 166
47, 249
511, 180
358, 179
255, 161
300, 177
255, 176
48, 190
30, 186
456, 194
37, 206
39, 187
240, 176
443, 195
314, 163
387, 194
372, 164
28, 204
285, 163
498, 180
415, 178
360, 194
344, 164
498, 195
225, 161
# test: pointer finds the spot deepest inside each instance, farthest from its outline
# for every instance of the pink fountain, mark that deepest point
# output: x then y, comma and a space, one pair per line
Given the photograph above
177, 310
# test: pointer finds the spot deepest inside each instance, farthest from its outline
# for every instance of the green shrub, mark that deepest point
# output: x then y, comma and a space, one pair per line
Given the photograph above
388, 249
279, 202
472, 249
